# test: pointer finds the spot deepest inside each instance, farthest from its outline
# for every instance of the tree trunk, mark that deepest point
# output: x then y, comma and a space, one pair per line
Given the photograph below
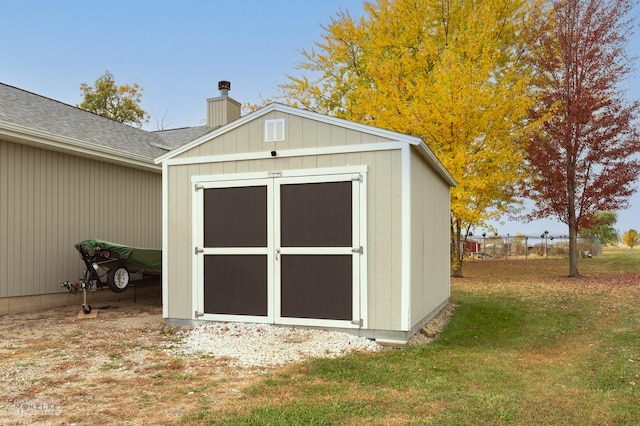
573, 250
573, 220
457, 252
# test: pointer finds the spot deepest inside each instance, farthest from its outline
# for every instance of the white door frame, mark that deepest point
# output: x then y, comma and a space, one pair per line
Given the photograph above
273, 180
200, 250
355, 238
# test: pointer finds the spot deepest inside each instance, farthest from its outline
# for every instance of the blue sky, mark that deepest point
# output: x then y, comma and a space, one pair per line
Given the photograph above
178, 51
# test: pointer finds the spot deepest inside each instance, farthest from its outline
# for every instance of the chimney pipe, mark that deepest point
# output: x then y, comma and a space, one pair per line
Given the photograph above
224, 87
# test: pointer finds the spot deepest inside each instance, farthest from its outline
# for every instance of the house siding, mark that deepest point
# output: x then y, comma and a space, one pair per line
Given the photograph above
49, 201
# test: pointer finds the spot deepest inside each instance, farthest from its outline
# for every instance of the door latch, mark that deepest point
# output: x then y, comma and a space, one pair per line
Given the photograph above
198, 250
359, 250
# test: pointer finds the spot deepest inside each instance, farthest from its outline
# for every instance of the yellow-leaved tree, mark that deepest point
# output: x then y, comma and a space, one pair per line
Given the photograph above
448, 71
630, 238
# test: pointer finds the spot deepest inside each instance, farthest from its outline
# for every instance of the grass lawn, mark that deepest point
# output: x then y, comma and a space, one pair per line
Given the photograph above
526, 346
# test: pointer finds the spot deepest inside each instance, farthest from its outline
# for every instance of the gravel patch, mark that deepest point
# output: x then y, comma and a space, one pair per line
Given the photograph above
265, 345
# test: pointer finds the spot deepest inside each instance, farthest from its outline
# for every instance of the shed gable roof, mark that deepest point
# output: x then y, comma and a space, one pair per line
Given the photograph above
416, 142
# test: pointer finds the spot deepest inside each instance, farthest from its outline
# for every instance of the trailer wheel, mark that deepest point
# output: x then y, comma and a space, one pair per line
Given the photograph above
118, 278
86, 309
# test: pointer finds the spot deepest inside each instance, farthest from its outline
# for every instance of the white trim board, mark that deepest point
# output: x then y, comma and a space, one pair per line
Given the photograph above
284, 173
45, 140
262, 155
165, 241
405, 295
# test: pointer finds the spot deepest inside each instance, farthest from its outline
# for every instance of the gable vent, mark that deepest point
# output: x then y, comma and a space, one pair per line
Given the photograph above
274, 130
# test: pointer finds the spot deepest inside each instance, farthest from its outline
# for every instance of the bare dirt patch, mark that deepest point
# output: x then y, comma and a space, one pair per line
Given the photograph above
119, 368
432, 329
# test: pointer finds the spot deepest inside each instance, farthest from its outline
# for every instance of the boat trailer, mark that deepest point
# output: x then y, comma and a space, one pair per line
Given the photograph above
113, 265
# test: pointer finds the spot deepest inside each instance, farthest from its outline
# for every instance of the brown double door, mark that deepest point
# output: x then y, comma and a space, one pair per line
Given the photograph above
281, 249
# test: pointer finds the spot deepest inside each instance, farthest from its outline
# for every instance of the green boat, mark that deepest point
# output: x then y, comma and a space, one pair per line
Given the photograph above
116, 265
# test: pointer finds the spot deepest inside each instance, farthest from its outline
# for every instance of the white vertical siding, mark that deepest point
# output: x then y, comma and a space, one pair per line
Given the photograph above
430, 240
384, 225
385, 239
299, 133
180, 248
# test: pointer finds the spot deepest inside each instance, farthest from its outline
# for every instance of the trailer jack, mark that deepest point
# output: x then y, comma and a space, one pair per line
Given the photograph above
74, 287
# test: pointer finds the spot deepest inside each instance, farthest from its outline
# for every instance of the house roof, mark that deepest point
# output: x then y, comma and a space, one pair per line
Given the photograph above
418, 143
174, 138
37, 120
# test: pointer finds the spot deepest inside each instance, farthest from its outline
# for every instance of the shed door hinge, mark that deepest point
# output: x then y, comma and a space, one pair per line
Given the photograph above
359, 250
359, 322
197, 186
198, 314
198, 250
358, 178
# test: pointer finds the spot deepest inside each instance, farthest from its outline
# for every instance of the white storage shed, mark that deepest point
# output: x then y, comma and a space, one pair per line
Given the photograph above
291, 217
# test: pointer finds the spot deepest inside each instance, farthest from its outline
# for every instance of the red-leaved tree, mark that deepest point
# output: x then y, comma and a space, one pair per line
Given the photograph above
583, 157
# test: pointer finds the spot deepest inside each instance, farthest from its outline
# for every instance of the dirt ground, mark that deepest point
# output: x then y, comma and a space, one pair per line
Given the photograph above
115, 369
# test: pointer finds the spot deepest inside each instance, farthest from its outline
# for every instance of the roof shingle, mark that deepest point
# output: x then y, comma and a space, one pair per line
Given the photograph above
32, 111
